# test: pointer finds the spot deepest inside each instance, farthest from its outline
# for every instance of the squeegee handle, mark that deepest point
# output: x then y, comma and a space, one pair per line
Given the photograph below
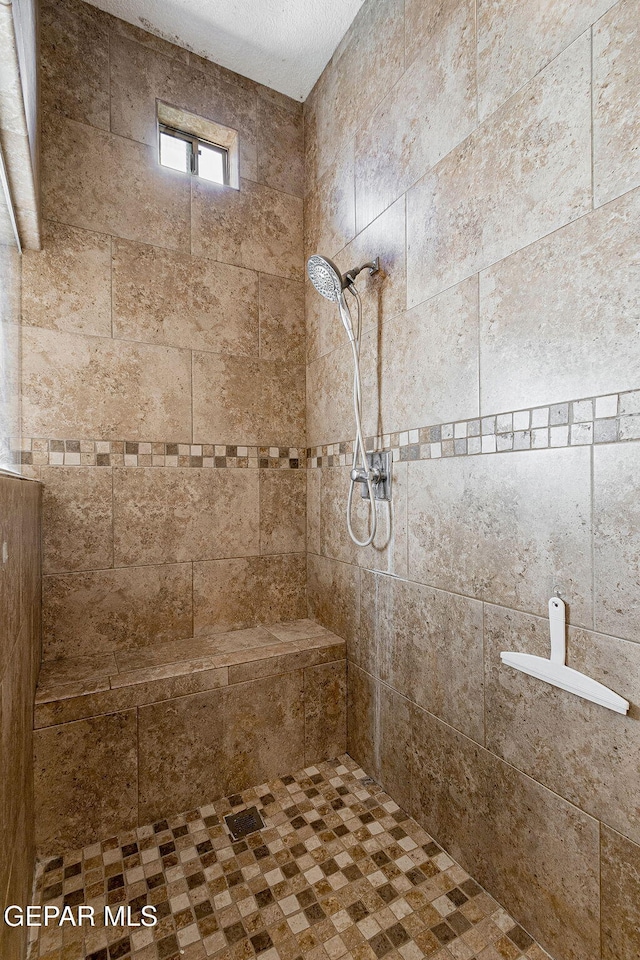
557, 626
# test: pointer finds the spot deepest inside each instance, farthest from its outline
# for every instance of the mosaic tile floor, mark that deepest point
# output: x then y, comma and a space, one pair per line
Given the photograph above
339, 871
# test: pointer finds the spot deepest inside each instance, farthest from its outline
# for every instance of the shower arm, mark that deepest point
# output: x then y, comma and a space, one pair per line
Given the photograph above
373, 267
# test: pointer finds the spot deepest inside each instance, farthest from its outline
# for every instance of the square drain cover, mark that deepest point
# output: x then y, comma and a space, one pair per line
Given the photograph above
244, 822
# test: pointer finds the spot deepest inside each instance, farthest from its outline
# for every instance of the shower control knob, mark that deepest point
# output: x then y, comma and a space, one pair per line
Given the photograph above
375, 475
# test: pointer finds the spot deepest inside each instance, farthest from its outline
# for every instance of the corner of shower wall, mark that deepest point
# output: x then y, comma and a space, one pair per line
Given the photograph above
500, 357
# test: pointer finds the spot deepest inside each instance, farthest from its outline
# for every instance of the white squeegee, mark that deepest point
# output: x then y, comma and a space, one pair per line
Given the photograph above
555, 671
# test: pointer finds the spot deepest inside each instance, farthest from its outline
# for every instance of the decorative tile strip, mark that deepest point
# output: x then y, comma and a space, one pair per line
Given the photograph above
606, 419
125, 453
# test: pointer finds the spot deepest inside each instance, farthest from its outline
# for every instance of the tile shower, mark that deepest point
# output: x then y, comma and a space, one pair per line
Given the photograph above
211, 638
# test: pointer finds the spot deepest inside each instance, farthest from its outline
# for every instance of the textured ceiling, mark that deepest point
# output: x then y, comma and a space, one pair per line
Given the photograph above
284, 44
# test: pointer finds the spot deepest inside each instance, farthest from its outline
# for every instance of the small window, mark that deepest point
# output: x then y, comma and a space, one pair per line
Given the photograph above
197, 146
182, 151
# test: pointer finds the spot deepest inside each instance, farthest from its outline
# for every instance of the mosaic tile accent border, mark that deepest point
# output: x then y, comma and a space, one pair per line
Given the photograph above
126, 453
607, 419
340, 872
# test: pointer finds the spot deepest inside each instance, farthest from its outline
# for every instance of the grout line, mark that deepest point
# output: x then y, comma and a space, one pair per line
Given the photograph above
111, 282
477, 64
259, 277
479, 342
599, 905
484, 677
592, 492
138, 762
178, 250
591, 124
113, 521
460, 733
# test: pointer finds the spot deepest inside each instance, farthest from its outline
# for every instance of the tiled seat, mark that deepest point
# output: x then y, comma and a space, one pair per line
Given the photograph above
124, 737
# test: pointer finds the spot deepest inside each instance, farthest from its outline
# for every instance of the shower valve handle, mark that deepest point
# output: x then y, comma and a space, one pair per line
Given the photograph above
375, 474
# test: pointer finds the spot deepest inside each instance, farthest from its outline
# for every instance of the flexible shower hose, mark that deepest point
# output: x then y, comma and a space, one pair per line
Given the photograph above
354, 339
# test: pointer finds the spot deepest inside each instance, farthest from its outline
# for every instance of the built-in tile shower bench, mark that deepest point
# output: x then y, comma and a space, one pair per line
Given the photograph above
130, 737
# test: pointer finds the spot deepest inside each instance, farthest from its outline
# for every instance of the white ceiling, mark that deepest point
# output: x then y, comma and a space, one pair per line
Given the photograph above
284, 44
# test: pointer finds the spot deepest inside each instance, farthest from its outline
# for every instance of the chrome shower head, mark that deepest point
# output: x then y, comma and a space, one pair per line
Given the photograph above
326, 277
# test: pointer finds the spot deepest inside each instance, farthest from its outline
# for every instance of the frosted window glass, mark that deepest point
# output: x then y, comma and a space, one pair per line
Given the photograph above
210, 164
174, 153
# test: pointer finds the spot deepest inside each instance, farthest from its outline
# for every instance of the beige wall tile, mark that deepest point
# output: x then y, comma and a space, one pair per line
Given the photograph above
428, 366
170, 659
255, 227
536, 853
10, 403
585, 753
92, 666
243, 592
394, 739
620, 897
333, 595
505, 529
141, 75
388, 550
282, 658
320, 320
330, 208
616, 110
330, 393
117, 391
616, 536
67, 285
310, 125
314, 479
366, 64
109, 184
519, 177
198, 748
362, 710
52, 712
247, 401
170, 515
427, 645
280, 143
77, 518
516, 40
86, 781
384, 295
161, 296
122, 28
264, 729
182, 761
570, 330
116, 609
325, 711
74, 63
430, 109
283, 502
282, 328
363, 648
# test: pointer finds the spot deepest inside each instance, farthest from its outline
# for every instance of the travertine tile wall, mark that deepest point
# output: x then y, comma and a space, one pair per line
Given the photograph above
487, 152
163, 359
20, 647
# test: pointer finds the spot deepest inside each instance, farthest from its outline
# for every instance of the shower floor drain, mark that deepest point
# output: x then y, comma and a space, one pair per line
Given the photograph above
244, 822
